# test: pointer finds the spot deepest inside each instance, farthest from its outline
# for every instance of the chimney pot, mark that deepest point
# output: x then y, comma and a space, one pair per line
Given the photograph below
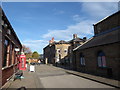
84, 38
74, 36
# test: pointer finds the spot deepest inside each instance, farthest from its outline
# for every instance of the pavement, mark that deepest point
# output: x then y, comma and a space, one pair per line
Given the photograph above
46, 76
110, 82
30, 80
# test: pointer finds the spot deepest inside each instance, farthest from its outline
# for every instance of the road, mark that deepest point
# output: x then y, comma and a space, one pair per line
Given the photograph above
46, 76
53, 77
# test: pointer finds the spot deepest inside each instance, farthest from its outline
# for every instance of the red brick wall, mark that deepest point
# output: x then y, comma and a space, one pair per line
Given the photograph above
7, 73
0, 49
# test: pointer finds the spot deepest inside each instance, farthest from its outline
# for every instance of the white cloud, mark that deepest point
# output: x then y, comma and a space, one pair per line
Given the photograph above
36, 45
83, 28
97, 9
78, 18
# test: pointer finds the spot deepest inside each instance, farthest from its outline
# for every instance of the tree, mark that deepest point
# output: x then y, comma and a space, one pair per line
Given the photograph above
35, 55
27, 51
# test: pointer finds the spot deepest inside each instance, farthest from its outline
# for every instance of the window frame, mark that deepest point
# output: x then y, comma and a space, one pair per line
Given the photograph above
101, 59
6, 52
82, 60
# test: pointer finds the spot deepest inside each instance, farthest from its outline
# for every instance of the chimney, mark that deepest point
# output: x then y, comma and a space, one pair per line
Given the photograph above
85, 38
52, 39
74, 36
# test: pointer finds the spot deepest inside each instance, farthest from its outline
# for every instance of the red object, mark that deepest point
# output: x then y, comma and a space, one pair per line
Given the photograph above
22, 62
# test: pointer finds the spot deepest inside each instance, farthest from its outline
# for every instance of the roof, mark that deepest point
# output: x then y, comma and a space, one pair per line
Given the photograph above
76, 40
61, 42
54, 43
107, 38
6, 19
107, 17
82, 44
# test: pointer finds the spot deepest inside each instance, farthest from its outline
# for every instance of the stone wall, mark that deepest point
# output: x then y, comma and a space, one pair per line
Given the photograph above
107, 24
112, 60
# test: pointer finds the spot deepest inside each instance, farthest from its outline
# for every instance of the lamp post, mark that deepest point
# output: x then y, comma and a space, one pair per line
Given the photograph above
16, 56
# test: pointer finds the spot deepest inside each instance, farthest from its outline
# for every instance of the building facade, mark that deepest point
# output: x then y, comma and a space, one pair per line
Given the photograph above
62, 52
100, 54
0, 48
56, 52
75, 42
10, 44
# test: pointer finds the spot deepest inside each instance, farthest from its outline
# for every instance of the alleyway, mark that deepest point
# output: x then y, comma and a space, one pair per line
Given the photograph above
47, 76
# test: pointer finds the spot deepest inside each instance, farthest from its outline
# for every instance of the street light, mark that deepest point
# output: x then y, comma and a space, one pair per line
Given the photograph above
17, 49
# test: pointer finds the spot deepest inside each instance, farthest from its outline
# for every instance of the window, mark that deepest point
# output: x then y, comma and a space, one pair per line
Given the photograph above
82, 59
6, 44
13, 54
65, 50
70, 50
70, 60
11, 61
101, 59
58, 50
11, 48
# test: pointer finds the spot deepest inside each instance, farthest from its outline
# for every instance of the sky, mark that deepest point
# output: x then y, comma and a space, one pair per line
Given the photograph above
35, 23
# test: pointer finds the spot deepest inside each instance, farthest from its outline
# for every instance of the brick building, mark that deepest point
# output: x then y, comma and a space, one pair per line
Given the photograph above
9, 42
100, 54
0, 48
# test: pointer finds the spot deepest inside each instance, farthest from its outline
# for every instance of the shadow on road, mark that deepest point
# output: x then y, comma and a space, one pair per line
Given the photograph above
22, 88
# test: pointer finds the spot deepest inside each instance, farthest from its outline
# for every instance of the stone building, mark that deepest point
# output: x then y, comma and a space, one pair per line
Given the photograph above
56, 52
62, 51
100, 55
75, 42
9, 46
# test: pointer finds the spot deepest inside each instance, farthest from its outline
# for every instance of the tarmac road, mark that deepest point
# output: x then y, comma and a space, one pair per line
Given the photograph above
53, 77
46, 76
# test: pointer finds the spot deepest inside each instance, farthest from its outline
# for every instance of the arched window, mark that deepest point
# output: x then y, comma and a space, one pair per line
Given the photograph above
101, 59
82, 59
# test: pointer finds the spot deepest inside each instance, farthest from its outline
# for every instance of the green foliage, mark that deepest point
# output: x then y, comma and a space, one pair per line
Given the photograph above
35, 55
28, 55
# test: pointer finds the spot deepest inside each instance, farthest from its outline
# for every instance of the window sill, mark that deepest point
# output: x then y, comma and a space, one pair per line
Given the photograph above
6, 67
102, 67
82, 65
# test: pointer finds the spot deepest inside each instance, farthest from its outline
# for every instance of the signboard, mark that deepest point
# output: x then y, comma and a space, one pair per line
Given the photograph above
32, 68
